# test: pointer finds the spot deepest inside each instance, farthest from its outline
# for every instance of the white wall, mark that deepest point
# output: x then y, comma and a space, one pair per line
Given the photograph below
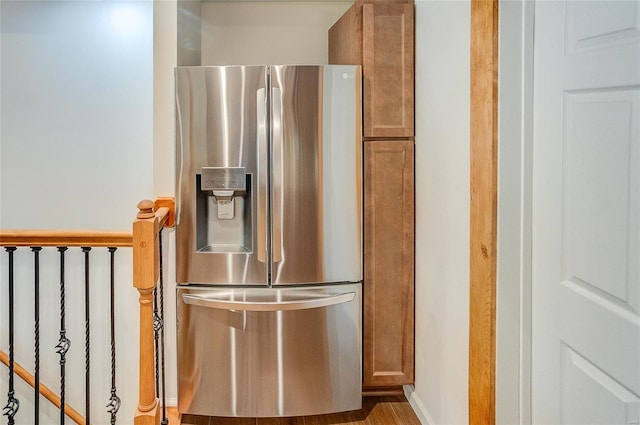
75, 152
76, 113
442, 211
243, 33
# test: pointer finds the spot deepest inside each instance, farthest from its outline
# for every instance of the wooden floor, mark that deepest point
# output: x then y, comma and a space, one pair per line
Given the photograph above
375, 411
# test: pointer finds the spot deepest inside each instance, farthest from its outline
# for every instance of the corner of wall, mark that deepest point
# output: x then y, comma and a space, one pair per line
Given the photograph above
417, 405
189, 13
513, 327
165, 59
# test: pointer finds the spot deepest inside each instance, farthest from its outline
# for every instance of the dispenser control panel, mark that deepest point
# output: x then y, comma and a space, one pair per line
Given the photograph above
224, 178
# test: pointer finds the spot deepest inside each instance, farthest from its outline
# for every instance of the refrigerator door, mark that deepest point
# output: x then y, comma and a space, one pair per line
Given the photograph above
316, 174
222, 143
266, 352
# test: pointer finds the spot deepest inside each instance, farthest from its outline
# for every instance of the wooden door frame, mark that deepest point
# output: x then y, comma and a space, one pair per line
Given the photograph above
483, 211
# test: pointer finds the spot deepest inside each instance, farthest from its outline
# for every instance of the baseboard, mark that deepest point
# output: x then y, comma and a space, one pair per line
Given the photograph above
171, 401
417, 406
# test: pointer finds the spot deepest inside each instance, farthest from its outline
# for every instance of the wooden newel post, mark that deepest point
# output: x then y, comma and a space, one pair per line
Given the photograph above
145, 275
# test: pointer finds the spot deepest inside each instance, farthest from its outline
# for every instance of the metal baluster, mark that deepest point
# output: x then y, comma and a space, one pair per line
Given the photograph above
63, 343
36, 294
114, 401
87, 344
164, 421
13, 404
157, 324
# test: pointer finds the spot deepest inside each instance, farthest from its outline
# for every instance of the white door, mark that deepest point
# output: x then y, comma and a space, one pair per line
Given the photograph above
586, 215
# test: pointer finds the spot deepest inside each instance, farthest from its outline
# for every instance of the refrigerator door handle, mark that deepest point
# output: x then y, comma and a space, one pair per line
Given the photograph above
224, 303
277, 173
262, 183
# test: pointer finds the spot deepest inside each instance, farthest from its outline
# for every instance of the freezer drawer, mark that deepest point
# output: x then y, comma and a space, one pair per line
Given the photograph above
266, 352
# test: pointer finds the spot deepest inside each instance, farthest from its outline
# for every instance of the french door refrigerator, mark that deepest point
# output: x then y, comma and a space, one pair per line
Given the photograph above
269, 240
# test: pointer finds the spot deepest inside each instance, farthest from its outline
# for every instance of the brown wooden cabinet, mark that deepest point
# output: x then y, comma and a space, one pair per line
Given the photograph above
389, 263
379, 34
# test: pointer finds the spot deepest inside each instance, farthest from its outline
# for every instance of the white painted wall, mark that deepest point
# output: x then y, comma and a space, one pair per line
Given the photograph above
75, 152
245, 33
442, 211
76, 103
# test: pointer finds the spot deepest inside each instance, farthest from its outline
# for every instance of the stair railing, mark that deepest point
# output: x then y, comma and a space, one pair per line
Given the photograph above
147, 271
146, 242
36, 240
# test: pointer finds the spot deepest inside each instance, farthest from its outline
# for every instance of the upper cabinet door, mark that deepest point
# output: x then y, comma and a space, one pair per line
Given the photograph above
388, 62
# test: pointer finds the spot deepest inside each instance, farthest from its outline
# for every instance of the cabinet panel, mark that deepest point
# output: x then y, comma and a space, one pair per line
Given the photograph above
388, 62
389, 263
345, 38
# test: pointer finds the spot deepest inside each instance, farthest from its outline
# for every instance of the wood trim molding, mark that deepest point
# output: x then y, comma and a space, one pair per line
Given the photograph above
483, 219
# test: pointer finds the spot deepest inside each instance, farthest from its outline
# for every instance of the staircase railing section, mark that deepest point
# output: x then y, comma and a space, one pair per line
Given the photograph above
147, 273
146, 243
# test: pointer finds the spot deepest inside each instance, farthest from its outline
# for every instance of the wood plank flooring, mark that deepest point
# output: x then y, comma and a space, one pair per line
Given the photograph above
388, 410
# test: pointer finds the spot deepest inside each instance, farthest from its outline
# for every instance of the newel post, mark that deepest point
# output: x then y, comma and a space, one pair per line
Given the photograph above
145, 275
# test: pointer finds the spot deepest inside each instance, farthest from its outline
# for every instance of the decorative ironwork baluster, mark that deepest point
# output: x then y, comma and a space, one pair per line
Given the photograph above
87, 344
63, 343
114, 401
164, 421
157, 324
36, 366
13, 404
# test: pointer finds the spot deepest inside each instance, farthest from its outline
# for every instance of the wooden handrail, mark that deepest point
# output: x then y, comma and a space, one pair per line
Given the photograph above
41, 238
151, 218
44, 390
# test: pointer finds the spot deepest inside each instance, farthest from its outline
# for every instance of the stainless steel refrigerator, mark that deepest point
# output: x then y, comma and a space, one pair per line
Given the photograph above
269, 240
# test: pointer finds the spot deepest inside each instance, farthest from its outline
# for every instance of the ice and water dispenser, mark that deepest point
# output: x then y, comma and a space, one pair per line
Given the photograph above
223, 210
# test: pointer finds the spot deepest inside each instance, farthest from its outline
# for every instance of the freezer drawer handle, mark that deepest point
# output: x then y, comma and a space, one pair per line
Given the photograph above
301, 304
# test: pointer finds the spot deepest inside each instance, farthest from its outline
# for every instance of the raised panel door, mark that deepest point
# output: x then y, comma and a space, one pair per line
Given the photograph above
389, 263
388, 62
586, 214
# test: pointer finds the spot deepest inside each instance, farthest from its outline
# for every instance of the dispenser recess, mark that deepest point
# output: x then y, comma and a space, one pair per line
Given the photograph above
223, 210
